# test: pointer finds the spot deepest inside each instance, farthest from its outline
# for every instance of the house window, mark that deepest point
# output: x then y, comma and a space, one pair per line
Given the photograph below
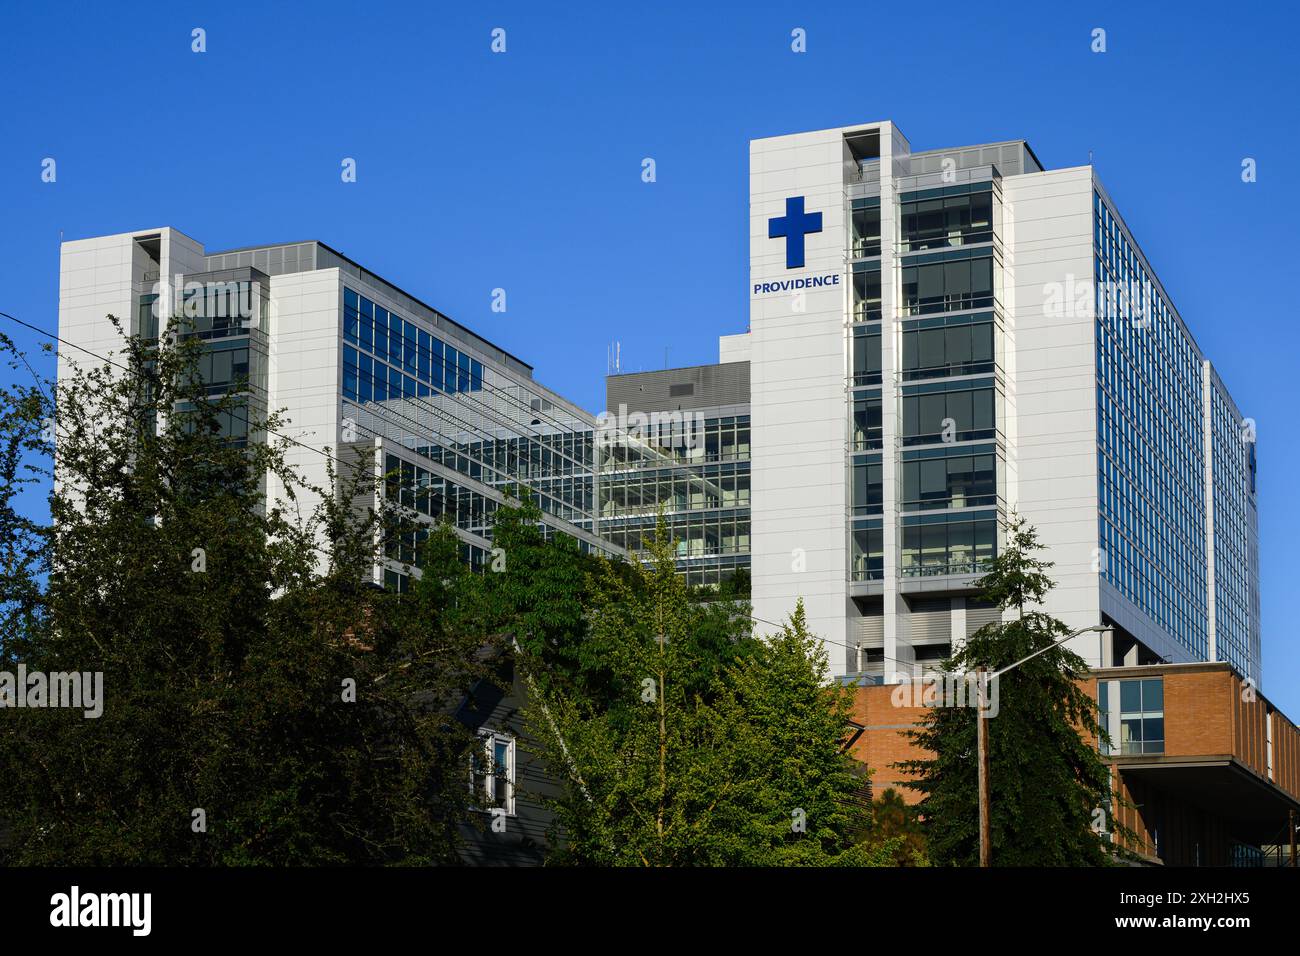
1142, 716
493, 772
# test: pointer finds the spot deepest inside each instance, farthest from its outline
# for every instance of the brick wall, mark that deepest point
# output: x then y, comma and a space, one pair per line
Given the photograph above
1208, 715
884, 741
1205, 715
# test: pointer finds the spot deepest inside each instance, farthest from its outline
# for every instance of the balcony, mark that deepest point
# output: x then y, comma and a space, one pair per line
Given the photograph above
940, 569
865, 171
946, 240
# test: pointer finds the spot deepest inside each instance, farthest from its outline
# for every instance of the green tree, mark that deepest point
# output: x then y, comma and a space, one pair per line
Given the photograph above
1046, 775
787, 771
896, 829
263, 704
698, 744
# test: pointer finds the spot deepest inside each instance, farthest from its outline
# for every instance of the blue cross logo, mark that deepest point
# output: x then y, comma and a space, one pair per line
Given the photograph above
793, 226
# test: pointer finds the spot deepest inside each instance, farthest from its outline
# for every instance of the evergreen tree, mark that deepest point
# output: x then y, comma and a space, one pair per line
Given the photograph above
788, 775
1047, 777
896, 828
699, 744
262, 703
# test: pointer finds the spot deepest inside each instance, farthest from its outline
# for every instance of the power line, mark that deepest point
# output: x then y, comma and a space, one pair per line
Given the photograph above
248, 424
245, 420
375, 434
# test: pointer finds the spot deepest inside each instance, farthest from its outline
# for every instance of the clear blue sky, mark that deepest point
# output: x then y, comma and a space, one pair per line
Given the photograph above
522, 170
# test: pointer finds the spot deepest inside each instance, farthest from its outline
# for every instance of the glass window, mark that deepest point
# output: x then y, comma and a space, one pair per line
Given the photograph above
351, 318
955, 547
367, 324
957, 346
931, 348
953, 350
462, 372
410, 348
942, 222
436, 360
867, 426
1153, 694
866, 296
381, 333
867, 358
1141, 718
492, 776
868, 554
422, 356
395, 335
956, 282
450, 359
866, 230
982, 342
350, 370
970, 412
365, 379
868, 488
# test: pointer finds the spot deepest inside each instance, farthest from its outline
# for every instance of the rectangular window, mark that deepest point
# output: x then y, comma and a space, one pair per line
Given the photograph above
435, 364
866, 295
955, 546
868, 554
351, 317
866, 227
350, 370
450, 360
868, 487
381, 333
944, 221
1142, 716
947, 282
410, 348
963, 411
395, 335
148, 317
365, 379
366, 334
462, 372
941, 351
867, 430
422, 356
866, 356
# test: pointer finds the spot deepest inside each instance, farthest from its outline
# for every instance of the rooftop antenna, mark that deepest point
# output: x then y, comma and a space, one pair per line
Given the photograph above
1089, 157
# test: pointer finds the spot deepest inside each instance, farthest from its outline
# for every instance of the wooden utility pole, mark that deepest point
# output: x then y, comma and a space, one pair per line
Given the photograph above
982, 756
984, 679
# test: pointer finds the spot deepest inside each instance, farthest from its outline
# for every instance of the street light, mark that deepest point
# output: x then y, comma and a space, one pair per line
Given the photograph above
982, 733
